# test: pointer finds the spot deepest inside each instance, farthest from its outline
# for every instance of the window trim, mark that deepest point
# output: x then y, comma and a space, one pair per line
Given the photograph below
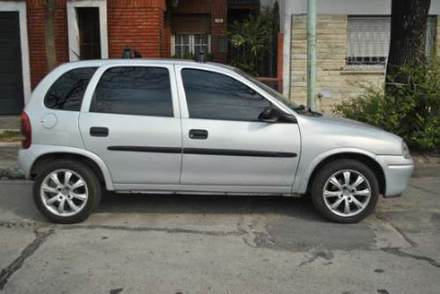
90, 92
231, 74
59, 77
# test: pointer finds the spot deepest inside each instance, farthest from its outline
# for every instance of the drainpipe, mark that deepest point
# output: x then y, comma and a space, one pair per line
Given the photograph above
311, 55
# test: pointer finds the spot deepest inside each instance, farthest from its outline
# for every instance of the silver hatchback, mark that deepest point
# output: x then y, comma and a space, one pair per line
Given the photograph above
168, 126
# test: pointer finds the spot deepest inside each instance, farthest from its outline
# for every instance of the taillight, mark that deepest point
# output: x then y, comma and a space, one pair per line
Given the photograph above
26, 131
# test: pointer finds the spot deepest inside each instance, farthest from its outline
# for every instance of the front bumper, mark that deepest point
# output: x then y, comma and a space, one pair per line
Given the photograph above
397, 170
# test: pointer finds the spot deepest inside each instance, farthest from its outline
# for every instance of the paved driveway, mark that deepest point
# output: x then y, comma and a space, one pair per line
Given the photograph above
196, 244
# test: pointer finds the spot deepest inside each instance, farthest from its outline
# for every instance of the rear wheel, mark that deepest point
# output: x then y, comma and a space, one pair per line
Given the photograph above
345, 191
66, 191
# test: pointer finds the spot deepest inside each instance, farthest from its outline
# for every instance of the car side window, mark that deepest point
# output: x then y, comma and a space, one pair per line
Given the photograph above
134, 90
211, 95
67, 92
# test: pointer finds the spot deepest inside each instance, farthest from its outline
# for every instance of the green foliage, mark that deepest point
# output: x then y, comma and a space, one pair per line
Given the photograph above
251, 40
412, 111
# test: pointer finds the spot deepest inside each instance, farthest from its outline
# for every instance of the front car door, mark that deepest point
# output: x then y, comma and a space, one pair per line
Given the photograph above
225, 147
130, 118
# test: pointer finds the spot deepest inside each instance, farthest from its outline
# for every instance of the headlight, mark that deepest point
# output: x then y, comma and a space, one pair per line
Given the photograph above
405, 150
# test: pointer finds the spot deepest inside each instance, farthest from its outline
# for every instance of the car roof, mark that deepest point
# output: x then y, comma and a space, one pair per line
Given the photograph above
145, 61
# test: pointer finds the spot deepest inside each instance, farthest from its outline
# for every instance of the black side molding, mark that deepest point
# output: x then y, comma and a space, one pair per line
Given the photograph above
146, 149
202, 151
231, 152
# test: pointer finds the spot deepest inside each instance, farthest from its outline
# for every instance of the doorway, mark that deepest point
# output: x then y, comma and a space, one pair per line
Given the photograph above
89, 33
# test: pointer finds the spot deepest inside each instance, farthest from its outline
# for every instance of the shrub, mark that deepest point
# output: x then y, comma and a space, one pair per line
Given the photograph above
412, 111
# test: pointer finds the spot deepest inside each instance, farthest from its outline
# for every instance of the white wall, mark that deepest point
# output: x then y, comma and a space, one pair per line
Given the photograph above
363, 7
344, 7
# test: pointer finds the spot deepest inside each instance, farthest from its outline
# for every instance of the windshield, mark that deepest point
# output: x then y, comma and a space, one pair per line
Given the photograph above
277, 95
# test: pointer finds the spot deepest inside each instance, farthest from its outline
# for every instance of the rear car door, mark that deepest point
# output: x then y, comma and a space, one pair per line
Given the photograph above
225, 144
131, 120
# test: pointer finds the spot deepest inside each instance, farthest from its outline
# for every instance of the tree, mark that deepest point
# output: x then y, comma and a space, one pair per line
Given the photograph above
409, 20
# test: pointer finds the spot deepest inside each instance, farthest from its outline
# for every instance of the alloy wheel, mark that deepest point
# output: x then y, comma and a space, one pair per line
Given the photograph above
347, 193
64, 192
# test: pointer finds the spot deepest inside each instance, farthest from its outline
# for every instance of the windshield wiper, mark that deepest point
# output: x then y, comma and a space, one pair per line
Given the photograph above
304, 109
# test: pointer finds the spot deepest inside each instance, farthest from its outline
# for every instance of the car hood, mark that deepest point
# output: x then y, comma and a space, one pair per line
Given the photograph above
346, 133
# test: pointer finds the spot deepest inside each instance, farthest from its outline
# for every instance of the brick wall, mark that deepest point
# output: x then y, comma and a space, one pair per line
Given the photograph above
136, 24
219, 9
333, 77
37, 14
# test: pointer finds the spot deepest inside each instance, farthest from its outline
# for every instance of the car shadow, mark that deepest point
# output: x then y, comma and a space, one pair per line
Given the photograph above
208, 204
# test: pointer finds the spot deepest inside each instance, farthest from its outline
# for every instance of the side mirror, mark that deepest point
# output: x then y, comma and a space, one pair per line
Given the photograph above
272, 115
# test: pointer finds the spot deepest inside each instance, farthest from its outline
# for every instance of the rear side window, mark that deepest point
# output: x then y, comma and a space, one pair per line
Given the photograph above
211, 95
68, 91
134, 90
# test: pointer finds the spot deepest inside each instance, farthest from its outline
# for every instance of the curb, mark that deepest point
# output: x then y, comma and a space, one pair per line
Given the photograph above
10, 144
11, 174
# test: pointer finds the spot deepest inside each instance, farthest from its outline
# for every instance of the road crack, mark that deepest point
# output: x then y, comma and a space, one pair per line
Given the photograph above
424, 190
150, 229
7, 272
400, 253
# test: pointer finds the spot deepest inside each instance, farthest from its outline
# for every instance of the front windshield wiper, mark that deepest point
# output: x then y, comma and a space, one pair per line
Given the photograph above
304, 109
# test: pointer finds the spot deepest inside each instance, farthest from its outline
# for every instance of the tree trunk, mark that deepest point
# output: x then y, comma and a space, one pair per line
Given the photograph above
408, 37
51, 55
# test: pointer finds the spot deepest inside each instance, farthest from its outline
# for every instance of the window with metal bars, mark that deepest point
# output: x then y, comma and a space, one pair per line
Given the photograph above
368, 40
184, 45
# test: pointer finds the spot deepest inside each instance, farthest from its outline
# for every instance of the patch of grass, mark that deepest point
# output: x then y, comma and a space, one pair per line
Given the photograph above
10, 136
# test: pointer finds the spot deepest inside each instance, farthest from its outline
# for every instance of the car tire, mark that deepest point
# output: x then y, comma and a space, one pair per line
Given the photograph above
335, 185
67, 183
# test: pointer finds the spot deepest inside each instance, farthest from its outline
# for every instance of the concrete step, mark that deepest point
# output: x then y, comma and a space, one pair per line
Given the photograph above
10, 122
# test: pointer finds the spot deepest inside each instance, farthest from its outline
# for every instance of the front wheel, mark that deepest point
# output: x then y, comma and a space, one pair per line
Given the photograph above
345, 191
66, 191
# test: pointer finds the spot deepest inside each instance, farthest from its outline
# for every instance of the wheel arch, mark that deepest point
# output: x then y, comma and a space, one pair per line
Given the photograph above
366, 159
97, 166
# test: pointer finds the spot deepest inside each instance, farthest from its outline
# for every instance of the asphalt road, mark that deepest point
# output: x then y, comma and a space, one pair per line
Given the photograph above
207, 244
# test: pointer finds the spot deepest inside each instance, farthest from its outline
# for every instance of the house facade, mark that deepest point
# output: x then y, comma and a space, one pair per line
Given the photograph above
36, 35
352, 47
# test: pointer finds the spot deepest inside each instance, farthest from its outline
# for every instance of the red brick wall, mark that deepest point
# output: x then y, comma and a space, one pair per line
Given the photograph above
219, 9
131, 23
36, 14
166, 37
135, 24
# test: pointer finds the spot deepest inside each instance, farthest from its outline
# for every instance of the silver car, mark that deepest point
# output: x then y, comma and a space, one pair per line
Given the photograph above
168, 126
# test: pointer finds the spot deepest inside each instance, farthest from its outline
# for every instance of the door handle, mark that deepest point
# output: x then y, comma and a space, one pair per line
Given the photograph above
98, 132
198, 134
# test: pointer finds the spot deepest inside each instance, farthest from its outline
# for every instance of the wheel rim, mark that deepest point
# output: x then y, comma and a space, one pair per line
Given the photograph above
347, 193
64, 192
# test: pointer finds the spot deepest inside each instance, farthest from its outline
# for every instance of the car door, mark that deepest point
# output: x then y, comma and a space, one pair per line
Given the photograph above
225, 144
131, 120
